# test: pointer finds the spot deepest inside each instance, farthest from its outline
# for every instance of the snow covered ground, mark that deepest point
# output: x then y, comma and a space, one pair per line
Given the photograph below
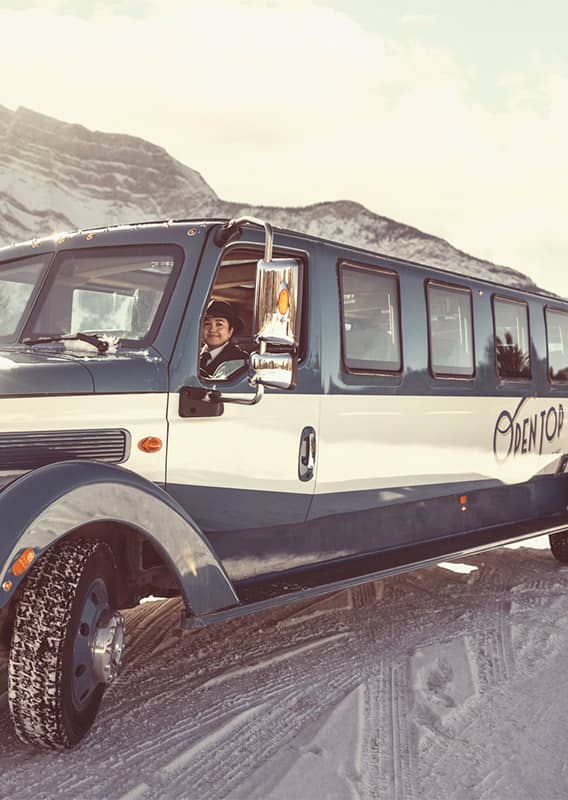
437, 684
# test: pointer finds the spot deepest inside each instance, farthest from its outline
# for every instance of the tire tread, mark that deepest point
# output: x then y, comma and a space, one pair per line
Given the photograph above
40, 630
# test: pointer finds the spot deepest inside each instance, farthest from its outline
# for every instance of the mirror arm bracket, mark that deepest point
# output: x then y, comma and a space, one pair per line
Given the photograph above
259, 388
241, 402
232, 229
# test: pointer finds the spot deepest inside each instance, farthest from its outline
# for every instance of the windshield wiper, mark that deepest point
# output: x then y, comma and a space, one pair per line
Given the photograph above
91, 338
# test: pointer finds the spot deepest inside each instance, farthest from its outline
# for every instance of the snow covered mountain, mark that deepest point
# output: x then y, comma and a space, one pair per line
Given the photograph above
55, 176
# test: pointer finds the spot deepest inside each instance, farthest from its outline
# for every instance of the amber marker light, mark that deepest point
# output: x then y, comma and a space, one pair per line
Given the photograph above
150, 444
7, 585
283, 300
463, 502
23, 561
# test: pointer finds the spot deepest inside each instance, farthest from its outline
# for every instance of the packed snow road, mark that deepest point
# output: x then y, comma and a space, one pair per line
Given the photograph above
437, 684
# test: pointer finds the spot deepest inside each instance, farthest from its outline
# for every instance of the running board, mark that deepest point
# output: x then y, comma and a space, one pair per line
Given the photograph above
524, 530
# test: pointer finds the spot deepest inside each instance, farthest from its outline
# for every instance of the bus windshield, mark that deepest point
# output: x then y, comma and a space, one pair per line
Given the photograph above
19, 281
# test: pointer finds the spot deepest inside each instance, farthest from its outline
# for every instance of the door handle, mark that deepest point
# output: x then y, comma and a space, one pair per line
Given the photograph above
307, 454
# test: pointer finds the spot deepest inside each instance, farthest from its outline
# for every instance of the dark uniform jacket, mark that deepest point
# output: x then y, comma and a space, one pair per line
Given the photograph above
229, 353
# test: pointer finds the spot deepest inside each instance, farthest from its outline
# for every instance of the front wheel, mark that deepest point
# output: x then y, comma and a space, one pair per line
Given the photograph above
67, 644
559, 546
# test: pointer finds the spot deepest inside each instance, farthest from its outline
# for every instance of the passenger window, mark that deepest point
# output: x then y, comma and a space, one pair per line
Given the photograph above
557, 339
370, 319
512, 353
450, 322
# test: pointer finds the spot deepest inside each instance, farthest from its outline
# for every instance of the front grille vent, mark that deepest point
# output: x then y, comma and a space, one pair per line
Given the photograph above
21, 451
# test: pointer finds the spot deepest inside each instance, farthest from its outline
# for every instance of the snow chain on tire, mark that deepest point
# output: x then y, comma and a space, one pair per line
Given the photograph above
41, 628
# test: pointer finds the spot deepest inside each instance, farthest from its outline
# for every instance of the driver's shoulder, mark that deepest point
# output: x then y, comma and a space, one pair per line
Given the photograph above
232, 352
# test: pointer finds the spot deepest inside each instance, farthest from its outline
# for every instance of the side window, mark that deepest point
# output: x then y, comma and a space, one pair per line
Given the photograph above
512, 351
370, 319
18, 280
227, 326
557, 342
450, 326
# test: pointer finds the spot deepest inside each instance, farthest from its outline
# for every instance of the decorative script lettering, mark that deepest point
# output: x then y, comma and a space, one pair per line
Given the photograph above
516, 434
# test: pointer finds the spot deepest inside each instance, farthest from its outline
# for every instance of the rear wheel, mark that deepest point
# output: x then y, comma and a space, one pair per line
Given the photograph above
67, 644
559, 546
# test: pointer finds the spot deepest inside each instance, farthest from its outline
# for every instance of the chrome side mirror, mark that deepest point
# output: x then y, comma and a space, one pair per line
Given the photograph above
275, 370
276, 319
276, 302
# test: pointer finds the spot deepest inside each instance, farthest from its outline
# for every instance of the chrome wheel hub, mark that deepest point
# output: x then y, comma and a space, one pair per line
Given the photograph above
107, 646
98, 646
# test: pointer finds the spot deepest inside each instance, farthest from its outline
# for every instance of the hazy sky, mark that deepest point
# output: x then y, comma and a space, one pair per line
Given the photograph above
448, 115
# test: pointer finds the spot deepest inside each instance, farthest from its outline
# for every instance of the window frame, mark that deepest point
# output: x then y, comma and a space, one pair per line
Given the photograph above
167, 248
452, 376
376, 271
504, 299
555, 310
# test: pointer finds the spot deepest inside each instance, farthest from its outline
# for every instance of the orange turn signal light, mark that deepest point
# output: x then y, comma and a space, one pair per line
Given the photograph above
463, 499
283, 301
150, 444
7, 585
23, 561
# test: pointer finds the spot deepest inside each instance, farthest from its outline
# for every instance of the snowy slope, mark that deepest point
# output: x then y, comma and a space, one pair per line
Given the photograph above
438, 685
55, 176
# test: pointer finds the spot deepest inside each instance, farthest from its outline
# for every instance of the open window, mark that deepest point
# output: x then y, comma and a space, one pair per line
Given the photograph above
234, 284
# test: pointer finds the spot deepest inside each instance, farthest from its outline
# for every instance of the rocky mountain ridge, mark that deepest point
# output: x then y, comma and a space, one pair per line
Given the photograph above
57, 176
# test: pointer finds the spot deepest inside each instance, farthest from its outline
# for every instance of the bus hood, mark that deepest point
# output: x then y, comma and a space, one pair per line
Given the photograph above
26, 373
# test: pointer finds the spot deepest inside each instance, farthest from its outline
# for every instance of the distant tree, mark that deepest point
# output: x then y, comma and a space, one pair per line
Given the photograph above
511, 361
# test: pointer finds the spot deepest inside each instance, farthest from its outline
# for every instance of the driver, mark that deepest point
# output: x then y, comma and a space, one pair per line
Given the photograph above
219, 325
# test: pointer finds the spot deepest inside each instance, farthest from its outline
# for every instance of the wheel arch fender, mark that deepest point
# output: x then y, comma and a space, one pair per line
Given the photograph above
43, 506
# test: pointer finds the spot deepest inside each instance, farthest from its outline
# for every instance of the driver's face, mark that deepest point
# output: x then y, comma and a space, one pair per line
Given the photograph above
216, 331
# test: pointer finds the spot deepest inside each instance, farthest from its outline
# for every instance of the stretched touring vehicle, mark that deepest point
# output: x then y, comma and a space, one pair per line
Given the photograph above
388, 416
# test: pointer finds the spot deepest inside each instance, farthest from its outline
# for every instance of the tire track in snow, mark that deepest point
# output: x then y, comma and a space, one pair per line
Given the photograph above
250, 667
285, 718
239, 694
496, 658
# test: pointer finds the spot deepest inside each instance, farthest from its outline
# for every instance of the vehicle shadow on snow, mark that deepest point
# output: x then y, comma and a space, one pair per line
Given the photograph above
181, 698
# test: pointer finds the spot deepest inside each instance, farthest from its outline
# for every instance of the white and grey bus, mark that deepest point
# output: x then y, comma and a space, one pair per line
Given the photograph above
384, 415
